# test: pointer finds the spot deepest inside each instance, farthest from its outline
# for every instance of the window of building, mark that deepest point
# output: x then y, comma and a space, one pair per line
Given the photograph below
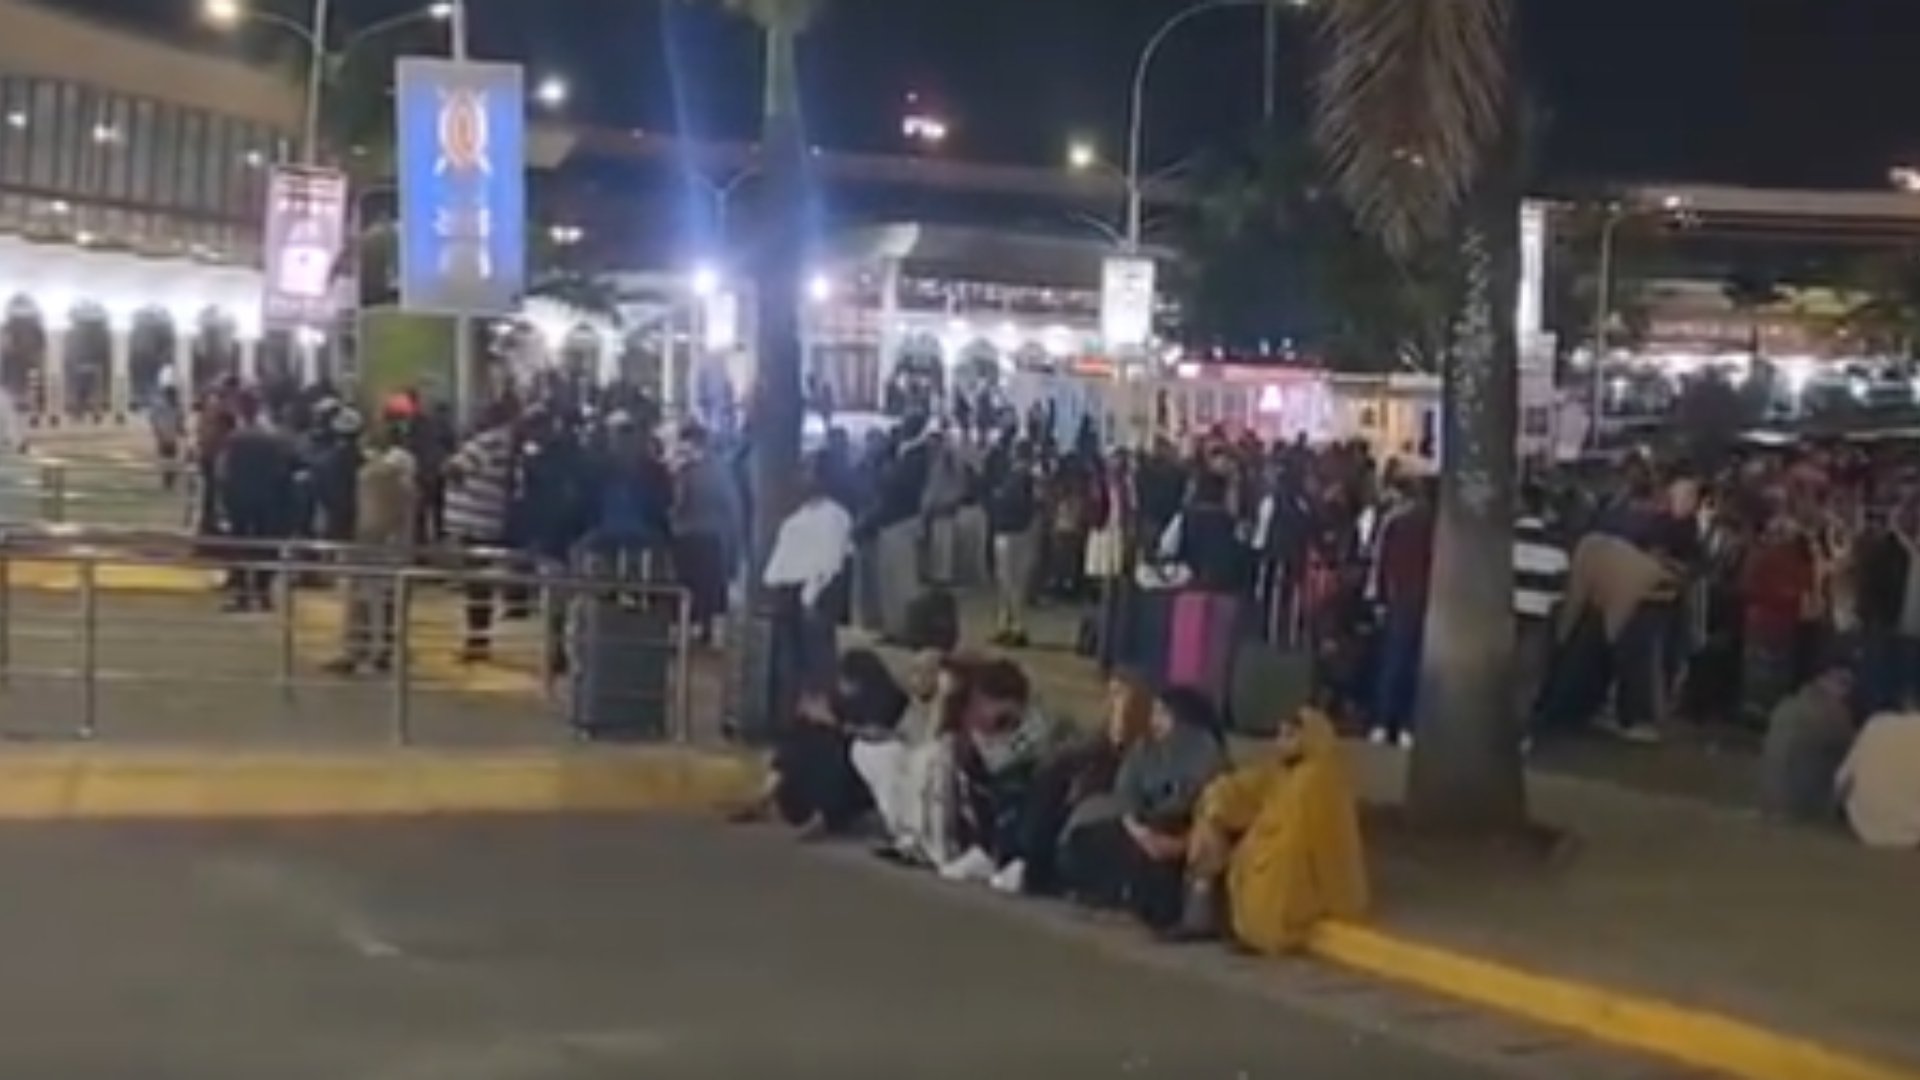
69, 166
140, 154
112, 141
216, 166
43, 135
166, 155
192, 151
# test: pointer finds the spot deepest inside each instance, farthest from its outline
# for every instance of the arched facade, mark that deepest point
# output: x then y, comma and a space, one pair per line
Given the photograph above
89, 336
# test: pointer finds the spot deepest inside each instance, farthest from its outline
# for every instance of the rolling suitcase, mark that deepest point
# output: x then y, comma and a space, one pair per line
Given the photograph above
622, 650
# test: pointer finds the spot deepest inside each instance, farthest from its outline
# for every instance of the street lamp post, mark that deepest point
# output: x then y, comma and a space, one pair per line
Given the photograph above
722, 195
314, 34
1136, 123
1602, 315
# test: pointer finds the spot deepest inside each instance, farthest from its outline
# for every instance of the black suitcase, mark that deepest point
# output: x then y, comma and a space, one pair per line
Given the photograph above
621, 652
933, 621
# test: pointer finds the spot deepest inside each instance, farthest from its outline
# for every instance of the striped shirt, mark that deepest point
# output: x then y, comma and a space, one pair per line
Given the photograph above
477, 500
1539, 569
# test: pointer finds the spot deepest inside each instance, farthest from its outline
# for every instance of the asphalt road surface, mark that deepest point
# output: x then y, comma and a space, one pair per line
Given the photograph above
589, 949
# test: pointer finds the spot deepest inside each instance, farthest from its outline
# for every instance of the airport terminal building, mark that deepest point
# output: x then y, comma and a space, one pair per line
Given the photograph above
132, 183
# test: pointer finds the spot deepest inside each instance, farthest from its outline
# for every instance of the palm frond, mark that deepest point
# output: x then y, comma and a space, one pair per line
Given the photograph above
1412, 95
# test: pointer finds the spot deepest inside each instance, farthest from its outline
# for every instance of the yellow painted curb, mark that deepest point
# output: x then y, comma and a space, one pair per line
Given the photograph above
41, 576
99, 783
1708, 1040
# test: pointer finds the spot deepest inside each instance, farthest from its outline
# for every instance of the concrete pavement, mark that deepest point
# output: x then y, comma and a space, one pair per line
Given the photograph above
583, 948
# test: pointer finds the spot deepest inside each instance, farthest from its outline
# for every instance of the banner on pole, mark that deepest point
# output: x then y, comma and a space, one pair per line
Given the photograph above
305, 233
463, 190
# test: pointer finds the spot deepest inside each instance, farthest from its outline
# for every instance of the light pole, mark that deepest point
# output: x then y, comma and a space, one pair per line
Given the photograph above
722, 195
1602, 315
1136, 123
314, 34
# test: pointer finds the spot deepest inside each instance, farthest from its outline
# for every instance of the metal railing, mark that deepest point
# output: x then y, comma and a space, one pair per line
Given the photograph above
121, 633
99, 493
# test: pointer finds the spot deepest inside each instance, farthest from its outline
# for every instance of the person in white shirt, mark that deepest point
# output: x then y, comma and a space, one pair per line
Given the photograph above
809, 563
1879, 783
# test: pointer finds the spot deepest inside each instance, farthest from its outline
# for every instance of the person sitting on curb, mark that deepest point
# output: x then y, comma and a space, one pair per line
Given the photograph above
1284, 837
1094, 807
813, 785
1807, 739
909, 769
1004, 745
1139, 856
1879, 783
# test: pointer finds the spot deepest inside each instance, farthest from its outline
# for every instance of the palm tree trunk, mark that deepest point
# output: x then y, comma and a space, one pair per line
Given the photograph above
776, 410
1467, 774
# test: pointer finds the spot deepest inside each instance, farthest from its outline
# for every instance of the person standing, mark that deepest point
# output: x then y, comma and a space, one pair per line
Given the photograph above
479, 486
1540, 567
706, 531
256, 473
1012, 513
386, 505
168, 422
1402, 568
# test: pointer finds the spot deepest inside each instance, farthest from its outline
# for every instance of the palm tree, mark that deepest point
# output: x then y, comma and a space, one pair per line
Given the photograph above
1413, 107
777, 410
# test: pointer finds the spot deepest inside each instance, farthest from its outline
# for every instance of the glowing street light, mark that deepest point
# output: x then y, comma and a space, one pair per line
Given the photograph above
552, 92
566, 235
224, 12
705, 281
1081, 156
924, 128
819, 288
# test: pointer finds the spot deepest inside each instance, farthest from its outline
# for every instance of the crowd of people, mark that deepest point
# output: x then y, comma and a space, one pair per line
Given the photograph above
1744, 588
1650, 592
544, 483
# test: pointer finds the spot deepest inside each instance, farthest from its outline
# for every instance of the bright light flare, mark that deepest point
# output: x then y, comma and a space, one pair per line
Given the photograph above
1081, 156
552, 92
223, 13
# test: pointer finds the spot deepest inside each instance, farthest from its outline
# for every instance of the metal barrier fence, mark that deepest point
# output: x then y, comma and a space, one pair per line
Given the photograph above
118, 635
100, 493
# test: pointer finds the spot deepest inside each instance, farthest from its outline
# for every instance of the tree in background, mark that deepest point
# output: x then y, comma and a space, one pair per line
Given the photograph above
1413, 114
1274, 256
1883, 314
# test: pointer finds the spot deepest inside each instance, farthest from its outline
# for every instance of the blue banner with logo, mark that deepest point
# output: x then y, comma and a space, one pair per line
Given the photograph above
463, 186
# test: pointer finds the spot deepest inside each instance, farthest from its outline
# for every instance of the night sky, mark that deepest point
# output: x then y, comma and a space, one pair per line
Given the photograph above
1789, 92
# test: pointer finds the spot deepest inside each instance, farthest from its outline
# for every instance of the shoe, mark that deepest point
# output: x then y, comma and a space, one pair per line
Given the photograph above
1378, 736
975, 865
1010, 879
1405, 740
1199, 914
344, 667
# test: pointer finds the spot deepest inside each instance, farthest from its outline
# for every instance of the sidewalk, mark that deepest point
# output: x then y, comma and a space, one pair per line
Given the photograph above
1678, 922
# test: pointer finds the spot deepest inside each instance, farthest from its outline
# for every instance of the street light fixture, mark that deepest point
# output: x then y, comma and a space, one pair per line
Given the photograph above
1136, 125
229, 14
552, 92
1081, 156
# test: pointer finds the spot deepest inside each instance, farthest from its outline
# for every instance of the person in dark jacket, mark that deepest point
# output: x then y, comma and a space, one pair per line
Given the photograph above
1403, 565
256, 477
1012, 514
334, 477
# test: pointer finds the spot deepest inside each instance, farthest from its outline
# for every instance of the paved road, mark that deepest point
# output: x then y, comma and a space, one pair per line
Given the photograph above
519, 950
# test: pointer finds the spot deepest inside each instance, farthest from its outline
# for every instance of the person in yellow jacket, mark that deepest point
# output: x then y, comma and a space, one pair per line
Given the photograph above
1284, 836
